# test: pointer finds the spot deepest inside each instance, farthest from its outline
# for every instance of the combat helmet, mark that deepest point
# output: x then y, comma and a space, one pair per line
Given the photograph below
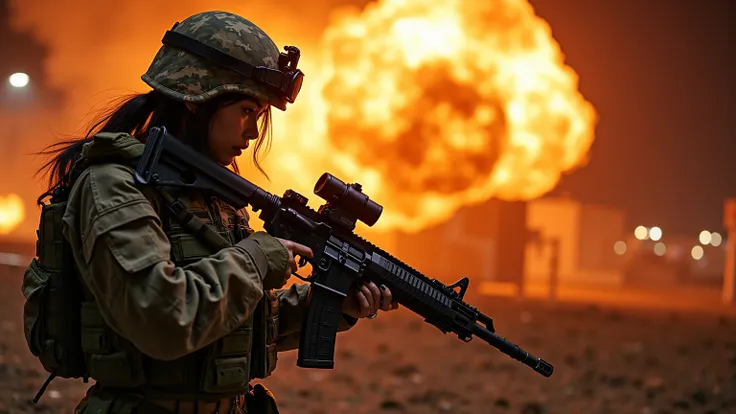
214, 52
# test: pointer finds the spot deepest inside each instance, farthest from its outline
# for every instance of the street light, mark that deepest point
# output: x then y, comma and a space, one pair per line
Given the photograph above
705, 237
697, 252
655, 233
19, 80
641, 232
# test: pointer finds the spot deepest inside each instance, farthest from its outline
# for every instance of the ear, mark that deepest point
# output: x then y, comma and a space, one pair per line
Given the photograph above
191, 107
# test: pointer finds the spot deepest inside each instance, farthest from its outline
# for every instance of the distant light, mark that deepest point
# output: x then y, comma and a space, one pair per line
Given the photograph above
619, 247
716, 239
655, 233
660, 249
641, 233
704, 237
697, 252
19, 80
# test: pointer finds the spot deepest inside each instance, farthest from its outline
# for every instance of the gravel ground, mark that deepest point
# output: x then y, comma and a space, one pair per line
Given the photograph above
607, 360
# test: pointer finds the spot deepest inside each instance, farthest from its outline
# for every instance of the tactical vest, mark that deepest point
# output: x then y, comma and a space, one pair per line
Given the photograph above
66, 331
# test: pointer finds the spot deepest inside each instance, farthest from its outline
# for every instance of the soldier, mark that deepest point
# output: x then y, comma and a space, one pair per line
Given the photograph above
166, 324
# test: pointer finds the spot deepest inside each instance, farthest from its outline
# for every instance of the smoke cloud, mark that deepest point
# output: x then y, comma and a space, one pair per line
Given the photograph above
97, 52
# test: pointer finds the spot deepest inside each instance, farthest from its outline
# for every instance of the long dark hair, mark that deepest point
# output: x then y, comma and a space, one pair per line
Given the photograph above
134, 114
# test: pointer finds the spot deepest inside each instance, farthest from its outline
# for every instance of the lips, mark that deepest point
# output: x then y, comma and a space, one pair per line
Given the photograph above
239, 150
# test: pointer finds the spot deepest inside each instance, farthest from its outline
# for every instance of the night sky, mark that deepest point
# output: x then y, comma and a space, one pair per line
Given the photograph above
657, 72
660, 74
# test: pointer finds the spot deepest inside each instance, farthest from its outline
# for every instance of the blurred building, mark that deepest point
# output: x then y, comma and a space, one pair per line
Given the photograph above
674, 259
587, 235
505, 243
484, 242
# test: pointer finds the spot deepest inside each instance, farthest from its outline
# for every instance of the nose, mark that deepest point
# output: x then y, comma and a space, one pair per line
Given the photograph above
251, 130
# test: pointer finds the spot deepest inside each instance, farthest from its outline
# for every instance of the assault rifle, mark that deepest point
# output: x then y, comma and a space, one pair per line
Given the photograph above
341, 257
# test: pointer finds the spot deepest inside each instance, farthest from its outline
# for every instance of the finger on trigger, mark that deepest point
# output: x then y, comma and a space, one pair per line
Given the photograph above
302, 250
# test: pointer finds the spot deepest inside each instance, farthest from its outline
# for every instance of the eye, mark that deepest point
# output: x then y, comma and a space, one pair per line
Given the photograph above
248, 111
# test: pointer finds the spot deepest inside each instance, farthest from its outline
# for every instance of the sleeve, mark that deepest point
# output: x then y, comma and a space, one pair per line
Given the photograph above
124, 258
293, 304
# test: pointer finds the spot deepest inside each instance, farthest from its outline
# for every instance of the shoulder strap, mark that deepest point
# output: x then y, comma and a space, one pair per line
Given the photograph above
193, 224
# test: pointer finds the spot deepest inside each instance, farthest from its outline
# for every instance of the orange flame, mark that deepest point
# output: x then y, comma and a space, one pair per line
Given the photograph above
429, 105
12, 213
436, 105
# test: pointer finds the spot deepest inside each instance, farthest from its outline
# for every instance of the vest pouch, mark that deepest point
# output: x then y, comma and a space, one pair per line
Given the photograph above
265, 336
228, 367
50, 320
237, 342
272, 334
226, 375
112, 361
272, 331
119, 369
34, 288
94, 336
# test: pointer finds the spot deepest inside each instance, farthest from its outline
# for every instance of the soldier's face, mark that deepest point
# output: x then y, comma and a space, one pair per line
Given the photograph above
232, 127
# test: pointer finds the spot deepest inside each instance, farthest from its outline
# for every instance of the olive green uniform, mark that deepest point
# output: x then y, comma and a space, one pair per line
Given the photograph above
166, 317
163, 316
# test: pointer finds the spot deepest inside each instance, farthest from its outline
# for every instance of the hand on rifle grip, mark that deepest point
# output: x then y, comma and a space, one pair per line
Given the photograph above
301, 263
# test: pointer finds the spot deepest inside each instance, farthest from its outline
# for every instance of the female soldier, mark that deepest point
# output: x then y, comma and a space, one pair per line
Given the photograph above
167, 325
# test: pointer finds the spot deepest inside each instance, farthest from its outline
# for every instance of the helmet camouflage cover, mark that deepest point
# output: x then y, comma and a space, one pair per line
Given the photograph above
187, 77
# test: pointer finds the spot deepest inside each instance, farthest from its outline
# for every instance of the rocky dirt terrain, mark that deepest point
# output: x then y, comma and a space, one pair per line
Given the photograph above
607, 360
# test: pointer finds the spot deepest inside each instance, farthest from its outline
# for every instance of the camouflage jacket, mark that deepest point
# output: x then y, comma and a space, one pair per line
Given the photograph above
165, 310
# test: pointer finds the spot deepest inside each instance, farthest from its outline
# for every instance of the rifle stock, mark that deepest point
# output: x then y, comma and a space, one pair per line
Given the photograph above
341, 257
